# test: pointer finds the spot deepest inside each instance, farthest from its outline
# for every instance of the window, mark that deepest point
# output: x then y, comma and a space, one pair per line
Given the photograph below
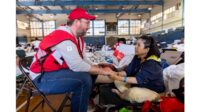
21, 25
37, 30
143, 23
135, 27
156, 18
126, 27
99, 27
90, 30
123, 27
168, 13
111, 26
48, 27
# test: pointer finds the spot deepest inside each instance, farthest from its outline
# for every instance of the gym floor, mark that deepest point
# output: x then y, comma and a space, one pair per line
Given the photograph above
54, 99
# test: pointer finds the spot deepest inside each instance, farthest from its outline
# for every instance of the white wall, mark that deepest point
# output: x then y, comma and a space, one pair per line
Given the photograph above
112, 17
173, 22
107, 17
62, 19
23, 32
169, 23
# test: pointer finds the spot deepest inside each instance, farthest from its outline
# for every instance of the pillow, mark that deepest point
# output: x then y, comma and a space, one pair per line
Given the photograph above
121, 86
136, 94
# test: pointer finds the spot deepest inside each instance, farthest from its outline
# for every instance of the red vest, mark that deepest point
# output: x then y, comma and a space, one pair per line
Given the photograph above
47, 57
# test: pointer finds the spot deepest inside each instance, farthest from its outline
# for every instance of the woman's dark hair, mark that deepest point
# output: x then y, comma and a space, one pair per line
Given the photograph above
121, 40
150, 43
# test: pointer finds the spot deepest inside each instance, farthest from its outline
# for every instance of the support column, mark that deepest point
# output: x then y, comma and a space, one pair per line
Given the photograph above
149, 21
42, 28
162, 15
182, 12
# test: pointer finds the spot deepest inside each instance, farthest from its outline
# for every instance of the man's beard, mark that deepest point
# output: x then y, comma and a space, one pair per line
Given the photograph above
81, 33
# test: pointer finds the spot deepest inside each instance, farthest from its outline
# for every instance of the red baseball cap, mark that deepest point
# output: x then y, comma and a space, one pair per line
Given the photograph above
80, 13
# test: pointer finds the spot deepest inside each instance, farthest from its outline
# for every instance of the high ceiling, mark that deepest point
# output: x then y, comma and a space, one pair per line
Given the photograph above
56, 7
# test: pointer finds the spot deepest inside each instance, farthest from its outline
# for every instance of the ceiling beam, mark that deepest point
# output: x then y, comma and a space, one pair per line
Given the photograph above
89, 10
63, 7
133, 7
46, 8
27, 12
86, 3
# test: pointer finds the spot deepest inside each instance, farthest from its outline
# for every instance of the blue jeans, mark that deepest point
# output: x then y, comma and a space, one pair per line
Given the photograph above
62, 81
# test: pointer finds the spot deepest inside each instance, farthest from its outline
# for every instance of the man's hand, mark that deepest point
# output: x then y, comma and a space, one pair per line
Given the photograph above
113, 76
106, 71
107, 65
104, 65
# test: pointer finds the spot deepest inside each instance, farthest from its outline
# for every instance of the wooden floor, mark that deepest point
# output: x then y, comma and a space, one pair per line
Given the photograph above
54, 99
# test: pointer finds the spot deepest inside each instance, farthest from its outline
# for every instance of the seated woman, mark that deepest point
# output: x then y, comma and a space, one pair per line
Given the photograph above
145, 70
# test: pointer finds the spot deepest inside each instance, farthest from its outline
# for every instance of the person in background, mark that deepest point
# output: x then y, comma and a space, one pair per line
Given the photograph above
19, 47
119, 41
28, 48
18, 72
35, 44
59, 65
20, 54
90, 48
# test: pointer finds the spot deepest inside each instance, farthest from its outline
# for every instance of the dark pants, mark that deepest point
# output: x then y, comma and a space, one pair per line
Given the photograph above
62, 81
108, 97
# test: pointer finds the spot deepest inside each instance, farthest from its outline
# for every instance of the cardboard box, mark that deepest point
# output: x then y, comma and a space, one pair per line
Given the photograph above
172, 57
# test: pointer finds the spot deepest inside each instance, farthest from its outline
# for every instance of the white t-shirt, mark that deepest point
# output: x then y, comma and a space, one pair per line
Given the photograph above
126, 49
36, 43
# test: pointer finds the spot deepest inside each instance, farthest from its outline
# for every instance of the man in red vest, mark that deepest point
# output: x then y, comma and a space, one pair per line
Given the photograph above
59, 65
